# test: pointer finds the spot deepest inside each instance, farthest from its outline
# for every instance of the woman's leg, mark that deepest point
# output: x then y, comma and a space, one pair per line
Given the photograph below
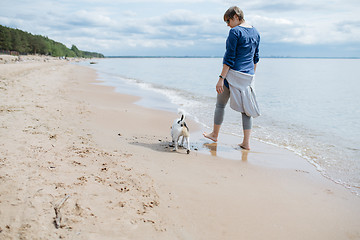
221, 102
247, 125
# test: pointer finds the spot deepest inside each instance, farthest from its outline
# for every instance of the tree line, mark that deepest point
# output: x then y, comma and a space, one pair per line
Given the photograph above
26, 43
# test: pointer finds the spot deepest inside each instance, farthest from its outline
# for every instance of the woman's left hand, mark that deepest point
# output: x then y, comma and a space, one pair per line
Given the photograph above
220, 86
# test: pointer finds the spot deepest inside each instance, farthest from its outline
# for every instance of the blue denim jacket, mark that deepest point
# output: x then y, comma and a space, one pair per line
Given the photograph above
242, 49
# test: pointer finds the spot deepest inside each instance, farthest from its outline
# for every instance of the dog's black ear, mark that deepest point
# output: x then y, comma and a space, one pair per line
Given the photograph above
182, 117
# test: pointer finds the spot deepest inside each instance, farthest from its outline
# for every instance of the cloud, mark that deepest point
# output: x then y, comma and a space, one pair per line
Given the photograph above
180, 17
89, 19
351, 28
115, 27
315, 30
281, 6
129, 13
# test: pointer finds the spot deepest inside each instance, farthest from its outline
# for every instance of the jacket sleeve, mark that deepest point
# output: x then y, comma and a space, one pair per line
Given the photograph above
256, 54
231, 43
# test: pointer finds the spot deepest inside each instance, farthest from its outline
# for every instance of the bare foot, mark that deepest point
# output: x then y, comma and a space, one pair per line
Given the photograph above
210, 136
243, 146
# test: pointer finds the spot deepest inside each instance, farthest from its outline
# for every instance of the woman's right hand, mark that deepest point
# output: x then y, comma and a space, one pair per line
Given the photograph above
220, 86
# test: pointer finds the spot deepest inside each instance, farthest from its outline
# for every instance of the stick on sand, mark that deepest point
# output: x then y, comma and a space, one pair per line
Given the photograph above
57, 211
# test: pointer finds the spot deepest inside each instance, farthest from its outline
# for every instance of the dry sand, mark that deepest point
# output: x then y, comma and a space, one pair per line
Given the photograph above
65, 138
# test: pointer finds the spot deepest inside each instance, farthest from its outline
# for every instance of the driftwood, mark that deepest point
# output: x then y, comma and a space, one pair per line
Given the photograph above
57, 211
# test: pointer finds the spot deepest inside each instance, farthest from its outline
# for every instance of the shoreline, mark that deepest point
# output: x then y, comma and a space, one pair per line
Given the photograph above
111, 156
227, 145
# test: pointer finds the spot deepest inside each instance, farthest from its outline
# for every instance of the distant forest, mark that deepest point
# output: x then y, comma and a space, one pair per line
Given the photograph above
20, 42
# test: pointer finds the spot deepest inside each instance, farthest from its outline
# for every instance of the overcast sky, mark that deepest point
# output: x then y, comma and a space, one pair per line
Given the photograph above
298, 28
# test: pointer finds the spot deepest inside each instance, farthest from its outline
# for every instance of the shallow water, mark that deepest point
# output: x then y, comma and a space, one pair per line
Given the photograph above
309, 106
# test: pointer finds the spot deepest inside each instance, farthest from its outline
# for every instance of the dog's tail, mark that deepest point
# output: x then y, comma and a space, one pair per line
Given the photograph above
182, 119
183, 114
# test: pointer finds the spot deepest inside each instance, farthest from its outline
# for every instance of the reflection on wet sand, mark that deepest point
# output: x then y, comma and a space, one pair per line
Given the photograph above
213, 147
244, 154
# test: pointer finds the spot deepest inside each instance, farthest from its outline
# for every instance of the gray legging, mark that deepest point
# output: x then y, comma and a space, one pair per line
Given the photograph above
221, 102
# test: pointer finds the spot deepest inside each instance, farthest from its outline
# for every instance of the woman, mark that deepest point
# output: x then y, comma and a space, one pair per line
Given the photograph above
242, 55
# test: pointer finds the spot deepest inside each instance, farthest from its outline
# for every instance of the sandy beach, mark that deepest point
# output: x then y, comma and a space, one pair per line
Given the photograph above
80, 161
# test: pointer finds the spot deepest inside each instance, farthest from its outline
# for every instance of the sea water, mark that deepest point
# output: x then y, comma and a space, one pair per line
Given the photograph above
309, 106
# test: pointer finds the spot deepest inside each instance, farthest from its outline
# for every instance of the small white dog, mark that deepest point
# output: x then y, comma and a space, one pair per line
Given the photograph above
179, 129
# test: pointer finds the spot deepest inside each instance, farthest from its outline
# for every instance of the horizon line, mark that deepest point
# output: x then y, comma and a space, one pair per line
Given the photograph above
135, 56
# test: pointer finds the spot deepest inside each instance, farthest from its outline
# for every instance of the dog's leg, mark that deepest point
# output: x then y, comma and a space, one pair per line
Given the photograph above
188, 145
173, 144
176, 144
182, 141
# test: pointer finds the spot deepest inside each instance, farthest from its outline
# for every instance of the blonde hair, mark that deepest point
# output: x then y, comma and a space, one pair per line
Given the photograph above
232, 11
